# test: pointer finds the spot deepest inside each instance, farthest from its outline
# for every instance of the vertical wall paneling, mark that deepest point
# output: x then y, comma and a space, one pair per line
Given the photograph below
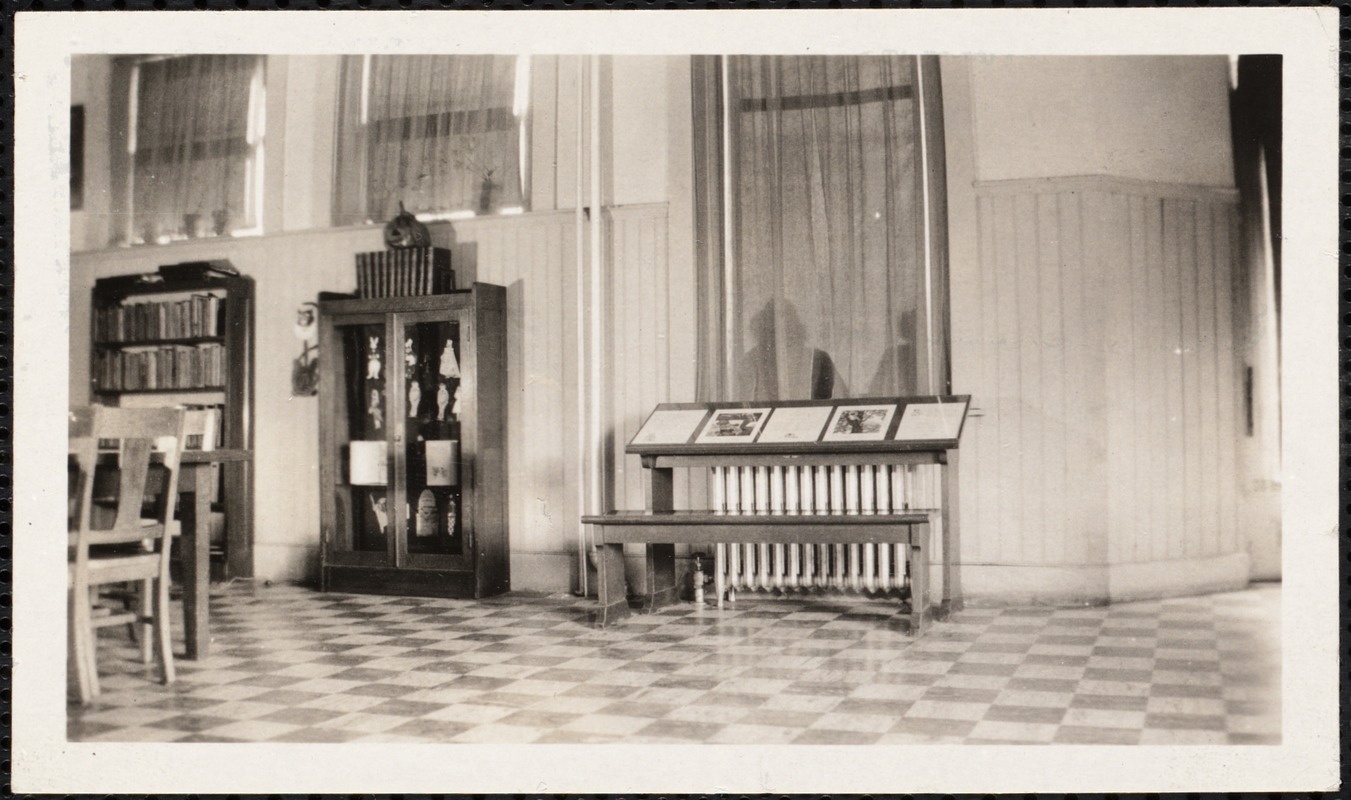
1031, 410
982, 538
1154, 350
1052, 347
1097, 254
1117, 314
1073, 317
1191, 383
1231, 425
1174, 451
639, 341
1134, 531
1209, 272
1100, 314
1008, 389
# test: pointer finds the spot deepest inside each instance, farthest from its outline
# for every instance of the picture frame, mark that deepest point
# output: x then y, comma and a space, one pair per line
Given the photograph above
670, 426
860, 423
795, 425
733, 426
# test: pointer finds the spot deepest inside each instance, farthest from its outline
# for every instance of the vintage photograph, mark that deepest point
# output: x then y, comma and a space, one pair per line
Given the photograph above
524, 255
738, 425
859, 423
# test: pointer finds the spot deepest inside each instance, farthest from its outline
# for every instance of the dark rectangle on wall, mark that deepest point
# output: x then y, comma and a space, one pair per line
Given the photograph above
76, 157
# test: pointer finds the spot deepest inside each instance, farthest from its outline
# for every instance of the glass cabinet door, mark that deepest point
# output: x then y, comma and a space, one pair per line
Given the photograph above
362, 483
431, 375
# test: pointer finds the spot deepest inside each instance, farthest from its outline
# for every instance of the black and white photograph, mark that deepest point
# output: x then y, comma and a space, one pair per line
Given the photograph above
728, 426
1067, 279
859, 423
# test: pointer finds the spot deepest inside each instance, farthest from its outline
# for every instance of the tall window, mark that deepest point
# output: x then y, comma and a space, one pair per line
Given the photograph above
443, 134
828, 277
196, 146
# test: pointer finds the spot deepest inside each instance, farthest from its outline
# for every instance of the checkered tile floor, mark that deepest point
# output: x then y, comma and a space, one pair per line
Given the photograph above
293, 664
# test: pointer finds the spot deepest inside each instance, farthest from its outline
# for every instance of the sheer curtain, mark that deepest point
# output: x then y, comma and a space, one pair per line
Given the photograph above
196, 146
439, 133
826, 288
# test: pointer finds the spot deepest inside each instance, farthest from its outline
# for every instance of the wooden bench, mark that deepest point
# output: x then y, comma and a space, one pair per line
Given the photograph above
837, 497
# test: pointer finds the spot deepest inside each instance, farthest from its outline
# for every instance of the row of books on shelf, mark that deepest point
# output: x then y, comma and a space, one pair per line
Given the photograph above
169, 367
408, 272
196, 316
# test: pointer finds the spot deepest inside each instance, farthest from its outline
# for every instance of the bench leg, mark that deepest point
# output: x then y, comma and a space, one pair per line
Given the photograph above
614, 606
919, 585
661, 577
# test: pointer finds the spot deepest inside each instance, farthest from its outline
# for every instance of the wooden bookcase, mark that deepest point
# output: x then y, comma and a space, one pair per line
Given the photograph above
413, 467
186, 338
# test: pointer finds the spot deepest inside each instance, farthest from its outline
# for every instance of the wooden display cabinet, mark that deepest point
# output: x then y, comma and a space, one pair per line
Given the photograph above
413, 444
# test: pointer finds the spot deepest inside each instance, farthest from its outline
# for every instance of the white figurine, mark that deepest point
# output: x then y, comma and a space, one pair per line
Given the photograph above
373, 360
426, 514
414, 398
455, 409
442, 400
377, 417
450, 366
409, 357
381, 508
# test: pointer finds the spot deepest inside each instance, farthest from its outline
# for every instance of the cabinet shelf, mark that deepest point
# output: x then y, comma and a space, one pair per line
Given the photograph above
185, 342
161, 390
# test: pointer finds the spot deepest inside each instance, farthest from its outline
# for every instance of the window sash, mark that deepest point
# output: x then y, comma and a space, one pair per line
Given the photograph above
195, 146
441, 135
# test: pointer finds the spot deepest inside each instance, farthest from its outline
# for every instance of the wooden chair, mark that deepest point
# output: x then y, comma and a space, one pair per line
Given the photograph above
132, 547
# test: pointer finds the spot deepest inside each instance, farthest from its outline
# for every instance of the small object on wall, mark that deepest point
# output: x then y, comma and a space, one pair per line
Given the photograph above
406, 231
76, 157
305, 368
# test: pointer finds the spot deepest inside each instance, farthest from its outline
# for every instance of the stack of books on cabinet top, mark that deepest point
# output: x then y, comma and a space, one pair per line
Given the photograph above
407, 272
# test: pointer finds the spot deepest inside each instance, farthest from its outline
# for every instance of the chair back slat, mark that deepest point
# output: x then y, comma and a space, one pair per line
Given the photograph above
133, 467
145, 437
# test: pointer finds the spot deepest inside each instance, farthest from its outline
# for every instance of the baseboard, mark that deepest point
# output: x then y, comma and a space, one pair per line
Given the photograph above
1178, 577
1001, 585
986, 585
291, 563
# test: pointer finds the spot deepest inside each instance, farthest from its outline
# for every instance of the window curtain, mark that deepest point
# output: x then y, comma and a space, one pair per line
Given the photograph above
197, 125
437, 133
827, 293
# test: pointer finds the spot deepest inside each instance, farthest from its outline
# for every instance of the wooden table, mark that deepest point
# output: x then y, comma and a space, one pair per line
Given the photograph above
196, 486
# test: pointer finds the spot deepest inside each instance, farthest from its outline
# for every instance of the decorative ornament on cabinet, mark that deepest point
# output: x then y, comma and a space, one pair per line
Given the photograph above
305, 368
406, 231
